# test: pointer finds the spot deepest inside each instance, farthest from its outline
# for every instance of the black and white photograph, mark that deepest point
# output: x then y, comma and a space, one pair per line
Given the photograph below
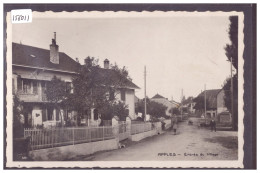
113, 89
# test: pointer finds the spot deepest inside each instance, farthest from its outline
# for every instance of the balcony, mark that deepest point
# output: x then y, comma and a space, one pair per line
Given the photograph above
29, 97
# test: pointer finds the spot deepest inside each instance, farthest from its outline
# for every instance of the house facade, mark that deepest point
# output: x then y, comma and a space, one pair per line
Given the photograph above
33, 68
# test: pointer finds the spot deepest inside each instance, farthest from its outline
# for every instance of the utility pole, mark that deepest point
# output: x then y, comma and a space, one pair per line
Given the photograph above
205, 102
145, 93
232, 112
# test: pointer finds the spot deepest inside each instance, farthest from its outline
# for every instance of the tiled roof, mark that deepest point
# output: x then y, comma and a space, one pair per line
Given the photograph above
112, 74
40, 58
37, 57
211, 96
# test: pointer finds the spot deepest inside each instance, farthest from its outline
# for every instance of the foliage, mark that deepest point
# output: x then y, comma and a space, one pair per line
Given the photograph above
175, 111
122, 72
232, 52
153, 108
227, 97
232, 49
200, 103
17, 117
110, 109
92, 90
55, 90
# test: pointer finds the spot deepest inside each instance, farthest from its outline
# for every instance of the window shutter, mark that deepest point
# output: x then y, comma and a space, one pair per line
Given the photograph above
19, 83
35, 87
44, 114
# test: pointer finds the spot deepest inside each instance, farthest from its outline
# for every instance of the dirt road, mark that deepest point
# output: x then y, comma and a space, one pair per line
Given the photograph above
191, 143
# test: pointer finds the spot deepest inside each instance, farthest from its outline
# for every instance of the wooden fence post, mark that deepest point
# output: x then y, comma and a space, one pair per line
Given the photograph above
52, 137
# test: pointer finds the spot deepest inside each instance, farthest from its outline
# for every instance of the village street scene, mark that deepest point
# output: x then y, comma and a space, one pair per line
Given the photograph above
125, 88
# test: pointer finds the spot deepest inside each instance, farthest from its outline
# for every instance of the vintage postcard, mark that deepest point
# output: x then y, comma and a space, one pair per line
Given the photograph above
124, 89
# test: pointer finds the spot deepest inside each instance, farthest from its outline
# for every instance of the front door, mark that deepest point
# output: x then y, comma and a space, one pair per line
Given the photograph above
37, 117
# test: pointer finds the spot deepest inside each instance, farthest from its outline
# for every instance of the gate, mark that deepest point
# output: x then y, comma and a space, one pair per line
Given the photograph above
124, 130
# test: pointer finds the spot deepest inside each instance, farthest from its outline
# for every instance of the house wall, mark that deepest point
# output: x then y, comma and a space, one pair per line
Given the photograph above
39, 97
129, 100
27, 73
220, 102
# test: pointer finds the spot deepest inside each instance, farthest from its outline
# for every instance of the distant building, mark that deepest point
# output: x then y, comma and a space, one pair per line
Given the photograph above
216, 106
169, 104
189, 105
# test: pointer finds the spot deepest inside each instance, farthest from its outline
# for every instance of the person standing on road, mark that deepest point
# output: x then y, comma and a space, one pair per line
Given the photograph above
213, 125
175, 124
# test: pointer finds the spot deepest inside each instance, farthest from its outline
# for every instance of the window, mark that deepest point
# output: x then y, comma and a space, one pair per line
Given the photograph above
123, 95
27, 86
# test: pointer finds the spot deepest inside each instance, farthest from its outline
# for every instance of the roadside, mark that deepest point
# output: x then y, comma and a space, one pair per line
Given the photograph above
191, 143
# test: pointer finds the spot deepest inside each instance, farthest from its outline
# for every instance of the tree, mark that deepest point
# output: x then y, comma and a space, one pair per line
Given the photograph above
17, 117
56, 90
232, 52
56, 93
200, 103
94, 87
175, 111
232, 48
227, 98
156, 110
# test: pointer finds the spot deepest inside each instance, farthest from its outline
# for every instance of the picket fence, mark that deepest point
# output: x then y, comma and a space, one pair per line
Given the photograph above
56, 137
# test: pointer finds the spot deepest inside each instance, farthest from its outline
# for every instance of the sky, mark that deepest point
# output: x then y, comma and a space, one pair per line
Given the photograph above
179, 52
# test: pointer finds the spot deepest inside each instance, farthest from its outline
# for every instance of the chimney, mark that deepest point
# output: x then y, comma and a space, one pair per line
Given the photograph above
106, 64
54, 51
88, 61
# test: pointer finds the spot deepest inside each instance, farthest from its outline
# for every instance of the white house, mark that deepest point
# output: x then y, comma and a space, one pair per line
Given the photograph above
32, 69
